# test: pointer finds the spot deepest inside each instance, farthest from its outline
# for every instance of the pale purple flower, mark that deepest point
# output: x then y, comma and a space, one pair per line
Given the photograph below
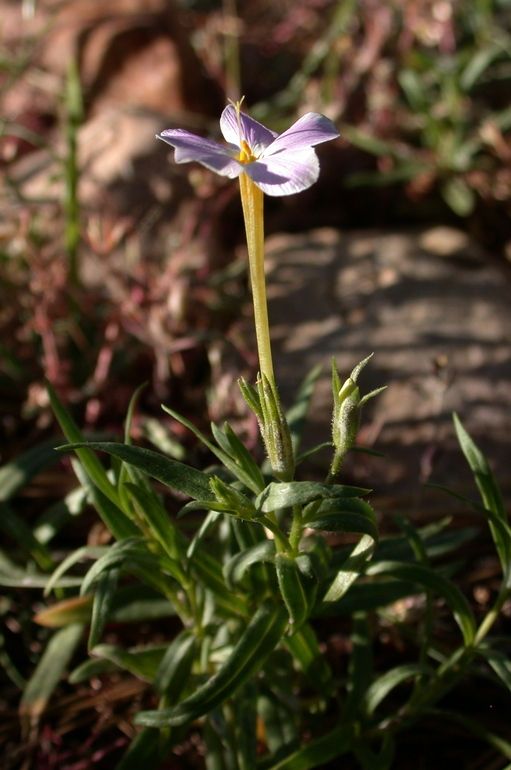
278, 164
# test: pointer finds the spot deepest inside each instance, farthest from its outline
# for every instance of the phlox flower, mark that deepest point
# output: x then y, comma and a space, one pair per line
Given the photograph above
278, 164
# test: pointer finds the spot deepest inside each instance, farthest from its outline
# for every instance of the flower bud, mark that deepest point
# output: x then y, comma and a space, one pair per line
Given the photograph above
347, 408
275, 431
346, 416
235, 501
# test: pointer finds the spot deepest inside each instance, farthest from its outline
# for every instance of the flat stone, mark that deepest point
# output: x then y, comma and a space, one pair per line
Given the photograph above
436, 315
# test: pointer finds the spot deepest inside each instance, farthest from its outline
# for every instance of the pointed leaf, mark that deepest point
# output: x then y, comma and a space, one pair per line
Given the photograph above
304, 647
175, 667
391, 679
48, 673
351, 569
142, 662
18, 473
77, 609
236, 568
172, 473
103, 599
91, 552
279, 721
286, 495
159, 522
292, 589
319, 751
485, 480
88, 459
130, 548
112, 514
429, 579
262, 635
17, 529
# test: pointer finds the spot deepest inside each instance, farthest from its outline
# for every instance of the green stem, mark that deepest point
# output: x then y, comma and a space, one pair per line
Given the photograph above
280, 538
491, 617
252, 200
335, 467
296, 528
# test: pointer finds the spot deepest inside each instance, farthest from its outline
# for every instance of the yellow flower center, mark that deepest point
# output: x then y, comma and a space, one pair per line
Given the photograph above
246, 155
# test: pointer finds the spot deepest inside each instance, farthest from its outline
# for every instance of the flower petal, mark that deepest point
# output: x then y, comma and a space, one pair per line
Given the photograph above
257, 136
286, 173
212, 155
309, 130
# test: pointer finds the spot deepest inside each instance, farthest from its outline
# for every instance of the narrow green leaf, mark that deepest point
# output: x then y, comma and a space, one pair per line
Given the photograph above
142, 662
364, 597
245, 726
91, 668
136, 603
86, 552
344, 522
112, 514
131, 411
245, 460
304, 647
175, 667
478, 63
319, 751
172, 473
159, 523
360, 667
292, 589
314, 450
16, 475
17, 529
129, 548
279, 721
499, 662
58, 515
31, 579
429, 579
391, 679
261, 636
102, 604
208, 571
204, 529
286, 495
48, 673
219, 451
485, 480
458, 196
236, 568
88, 459
351, 569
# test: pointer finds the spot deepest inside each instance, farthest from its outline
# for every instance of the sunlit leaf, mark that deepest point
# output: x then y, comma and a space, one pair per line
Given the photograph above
48, 673
261, 636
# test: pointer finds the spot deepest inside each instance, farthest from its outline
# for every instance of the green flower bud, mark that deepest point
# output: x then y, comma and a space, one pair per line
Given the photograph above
235, 502
346, 413
275, 431
346, 416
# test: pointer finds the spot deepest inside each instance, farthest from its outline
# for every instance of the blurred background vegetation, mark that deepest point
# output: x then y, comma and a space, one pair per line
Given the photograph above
118, 267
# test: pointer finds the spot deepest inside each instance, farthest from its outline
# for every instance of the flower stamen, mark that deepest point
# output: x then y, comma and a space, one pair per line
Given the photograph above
246, 155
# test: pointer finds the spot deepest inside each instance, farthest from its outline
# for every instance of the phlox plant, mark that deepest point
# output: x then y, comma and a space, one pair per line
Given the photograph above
247, 669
